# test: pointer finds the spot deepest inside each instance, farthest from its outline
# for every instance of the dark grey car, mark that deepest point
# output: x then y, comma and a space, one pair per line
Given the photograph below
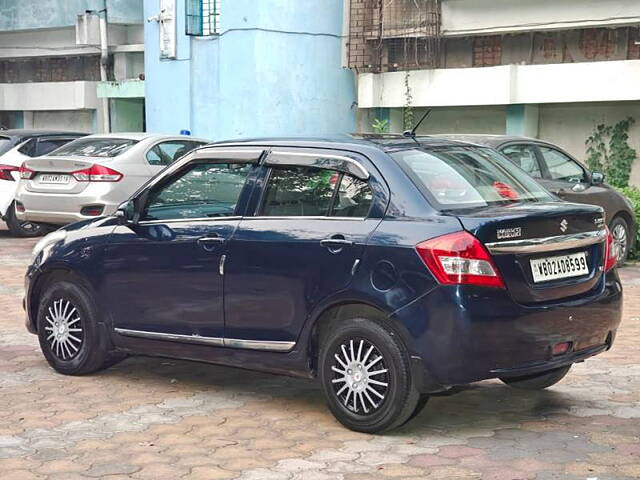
566, 177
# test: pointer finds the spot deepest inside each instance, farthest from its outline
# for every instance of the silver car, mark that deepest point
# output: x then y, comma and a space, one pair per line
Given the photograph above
91, 176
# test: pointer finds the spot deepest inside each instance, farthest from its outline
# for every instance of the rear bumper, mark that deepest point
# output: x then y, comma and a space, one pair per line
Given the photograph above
465, 334
61, 209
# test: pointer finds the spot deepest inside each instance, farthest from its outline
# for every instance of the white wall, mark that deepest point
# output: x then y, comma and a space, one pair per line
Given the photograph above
48, 96
466, 17
76, 120
569, 125
507, 84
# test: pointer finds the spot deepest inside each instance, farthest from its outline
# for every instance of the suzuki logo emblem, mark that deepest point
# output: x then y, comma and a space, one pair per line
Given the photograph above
564, 225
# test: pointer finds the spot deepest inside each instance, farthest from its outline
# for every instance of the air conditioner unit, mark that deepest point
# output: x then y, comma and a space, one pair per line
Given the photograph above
87, 29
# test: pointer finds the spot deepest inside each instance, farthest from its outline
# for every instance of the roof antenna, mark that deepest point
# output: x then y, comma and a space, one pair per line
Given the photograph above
412, 133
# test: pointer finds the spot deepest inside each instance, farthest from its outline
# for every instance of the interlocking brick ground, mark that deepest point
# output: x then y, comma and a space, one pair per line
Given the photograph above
169, 419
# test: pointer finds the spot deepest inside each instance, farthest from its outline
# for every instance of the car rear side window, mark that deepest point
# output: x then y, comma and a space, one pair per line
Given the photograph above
299, 192
524, 156
466, 177
205, 190
353, 199
166, 153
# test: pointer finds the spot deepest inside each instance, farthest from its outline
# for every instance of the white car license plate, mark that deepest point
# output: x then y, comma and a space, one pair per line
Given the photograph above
47, 178
563, 266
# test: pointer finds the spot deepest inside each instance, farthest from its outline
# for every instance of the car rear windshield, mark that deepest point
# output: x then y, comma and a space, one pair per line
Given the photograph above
5, 145
466, 177
95, 147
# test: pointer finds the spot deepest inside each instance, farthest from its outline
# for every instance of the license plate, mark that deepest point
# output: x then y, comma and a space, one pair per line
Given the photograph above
564, 266
47, 178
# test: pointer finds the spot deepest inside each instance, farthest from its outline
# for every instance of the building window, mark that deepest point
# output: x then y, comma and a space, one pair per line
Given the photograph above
487, 51
203, 17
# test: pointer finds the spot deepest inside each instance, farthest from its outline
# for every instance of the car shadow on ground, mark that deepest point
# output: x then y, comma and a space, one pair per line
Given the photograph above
486, 405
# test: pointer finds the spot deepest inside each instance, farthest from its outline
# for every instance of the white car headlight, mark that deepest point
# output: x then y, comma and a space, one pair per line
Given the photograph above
46, 242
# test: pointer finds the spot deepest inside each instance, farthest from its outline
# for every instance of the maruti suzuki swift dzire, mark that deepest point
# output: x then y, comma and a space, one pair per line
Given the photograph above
389, 268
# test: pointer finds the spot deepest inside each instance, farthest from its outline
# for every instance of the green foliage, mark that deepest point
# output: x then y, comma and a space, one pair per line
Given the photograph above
380, 126
633, 194
609, 152
407, 111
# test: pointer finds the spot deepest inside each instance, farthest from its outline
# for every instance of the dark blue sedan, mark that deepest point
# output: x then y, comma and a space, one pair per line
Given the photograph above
389, 268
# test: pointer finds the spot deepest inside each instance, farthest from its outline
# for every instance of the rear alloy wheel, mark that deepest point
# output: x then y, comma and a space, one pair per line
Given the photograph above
366, 377
620, 233
20, 228
539, 381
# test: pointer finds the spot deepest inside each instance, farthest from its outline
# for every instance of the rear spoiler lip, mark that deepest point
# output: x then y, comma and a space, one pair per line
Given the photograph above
547, 244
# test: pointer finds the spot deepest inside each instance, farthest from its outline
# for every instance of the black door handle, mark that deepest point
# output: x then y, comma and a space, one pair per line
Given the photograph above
336, 243
210, 243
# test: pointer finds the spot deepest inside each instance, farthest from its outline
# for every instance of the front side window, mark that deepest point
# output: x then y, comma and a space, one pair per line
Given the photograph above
561, 167
467, 177
206, 190
524, 156
95, 147
166, 153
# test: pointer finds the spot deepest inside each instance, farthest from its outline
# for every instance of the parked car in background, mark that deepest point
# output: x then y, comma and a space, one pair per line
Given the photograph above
567, 178
16, 146
389, 268
91, 176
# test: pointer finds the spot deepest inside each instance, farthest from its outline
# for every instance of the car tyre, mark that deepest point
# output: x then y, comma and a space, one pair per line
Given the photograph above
20, 228
621, 238
69, 331
539, 381
366, 378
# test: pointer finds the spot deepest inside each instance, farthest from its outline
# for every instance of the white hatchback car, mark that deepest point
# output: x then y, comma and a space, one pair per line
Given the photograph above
92, 176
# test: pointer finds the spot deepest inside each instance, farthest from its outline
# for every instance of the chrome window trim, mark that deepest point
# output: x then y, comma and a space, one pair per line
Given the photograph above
189, 220
339, 163
547, 244
301, 217
268, 345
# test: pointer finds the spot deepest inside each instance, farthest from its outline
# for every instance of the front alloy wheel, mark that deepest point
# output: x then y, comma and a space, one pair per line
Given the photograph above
619, 232
64, 329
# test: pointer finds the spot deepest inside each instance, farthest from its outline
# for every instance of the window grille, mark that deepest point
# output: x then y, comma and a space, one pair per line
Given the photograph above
203, 17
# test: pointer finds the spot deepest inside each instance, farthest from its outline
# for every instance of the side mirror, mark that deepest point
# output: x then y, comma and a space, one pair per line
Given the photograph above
126, 213
597, 178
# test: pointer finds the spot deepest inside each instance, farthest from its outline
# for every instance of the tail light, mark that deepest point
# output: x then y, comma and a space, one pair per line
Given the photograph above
97, 173
460, 259
26, 173
610, 257
5, 172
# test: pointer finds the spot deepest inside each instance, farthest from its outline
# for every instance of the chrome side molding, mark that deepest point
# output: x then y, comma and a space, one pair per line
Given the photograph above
268, 345
547, 244
172, 337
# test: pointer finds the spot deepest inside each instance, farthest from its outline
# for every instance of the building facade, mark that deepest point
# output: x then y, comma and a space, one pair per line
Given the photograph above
50, 61
542, 68
240, 68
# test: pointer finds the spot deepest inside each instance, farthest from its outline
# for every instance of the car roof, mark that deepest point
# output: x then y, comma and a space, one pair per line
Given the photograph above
383, 142
22, 132
144, 136
489, 140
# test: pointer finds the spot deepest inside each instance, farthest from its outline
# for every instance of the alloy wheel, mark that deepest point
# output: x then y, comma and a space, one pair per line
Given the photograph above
64, 329
619, 234
360, 376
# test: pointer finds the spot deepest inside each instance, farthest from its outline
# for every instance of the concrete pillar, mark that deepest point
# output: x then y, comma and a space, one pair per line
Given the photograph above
522, 120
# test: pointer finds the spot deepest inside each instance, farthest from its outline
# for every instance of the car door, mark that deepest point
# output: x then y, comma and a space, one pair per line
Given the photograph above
163, 272
163, 154
303, 243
